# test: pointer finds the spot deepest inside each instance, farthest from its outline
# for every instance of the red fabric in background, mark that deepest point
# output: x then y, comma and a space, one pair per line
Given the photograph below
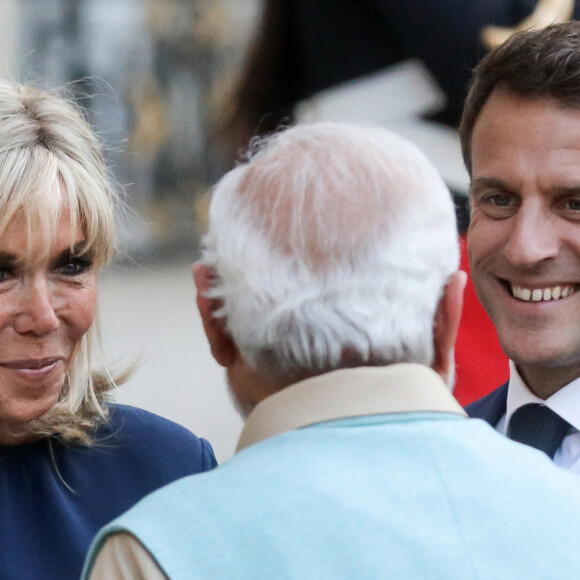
481, 365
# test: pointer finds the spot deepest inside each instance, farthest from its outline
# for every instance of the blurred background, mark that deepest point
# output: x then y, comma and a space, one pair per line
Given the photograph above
176, 88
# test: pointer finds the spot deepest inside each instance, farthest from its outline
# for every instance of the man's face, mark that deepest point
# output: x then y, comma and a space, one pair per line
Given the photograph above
524, 236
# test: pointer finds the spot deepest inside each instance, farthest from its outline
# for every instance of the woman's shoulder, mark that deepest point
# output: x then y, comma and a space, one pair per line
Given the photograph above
134, 418
139, 432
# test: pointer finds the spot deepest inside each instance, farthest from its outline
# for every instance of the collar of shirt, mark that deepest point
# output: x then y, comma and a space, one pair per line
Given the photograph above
397, 388
565, 402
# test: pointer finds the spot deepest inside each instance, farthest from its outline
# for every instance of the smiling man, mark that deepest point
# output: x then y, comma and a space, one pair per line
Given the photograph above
520, 136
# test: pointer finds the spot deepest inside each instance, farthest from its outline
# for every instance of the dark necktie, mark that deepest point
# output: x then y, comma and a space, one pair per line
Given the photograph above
538, 426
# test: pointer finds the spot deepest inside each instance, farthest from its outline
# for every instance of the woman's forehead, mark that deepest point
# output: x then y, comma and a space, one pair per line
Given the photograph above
29, 238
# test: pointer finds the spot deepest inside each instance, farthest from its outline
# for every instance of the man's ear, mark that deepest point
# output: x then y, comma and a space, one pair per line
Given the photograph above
446, 324
222, 346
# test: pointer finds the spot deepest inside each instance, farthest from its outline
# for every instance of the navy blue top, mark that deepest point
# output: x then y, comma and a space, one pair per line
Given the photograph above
54, 497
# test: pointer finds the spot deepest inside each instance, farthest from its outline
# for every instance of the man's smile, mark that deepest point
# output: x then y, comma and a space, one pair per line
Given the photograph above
541, 294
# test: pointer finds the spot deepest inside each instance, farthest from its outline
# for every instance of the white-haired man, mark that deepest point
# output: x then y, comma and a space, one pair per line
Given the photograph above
329, 291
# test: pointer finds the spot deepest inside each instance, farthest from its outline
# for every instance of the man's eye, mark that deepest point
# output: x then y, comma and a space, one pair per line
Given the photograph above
573, 204
499, 200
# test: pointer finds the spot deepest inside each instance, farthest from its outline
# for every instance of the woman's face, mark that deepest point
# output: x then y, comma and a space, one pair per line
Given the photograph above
46, 307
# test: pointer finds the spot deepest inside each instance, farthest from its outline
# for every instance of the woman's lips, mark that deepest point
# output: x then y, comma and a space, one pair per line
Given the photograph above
32, 368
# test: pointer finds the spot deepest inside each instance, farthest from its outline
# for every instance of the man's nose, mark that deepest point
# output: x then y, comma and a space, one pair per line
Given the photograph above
36, 313
535, 237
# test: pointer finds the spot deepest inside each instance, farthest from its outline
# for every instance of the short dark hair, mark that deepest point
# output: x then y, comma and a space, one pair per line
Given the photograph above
536, 63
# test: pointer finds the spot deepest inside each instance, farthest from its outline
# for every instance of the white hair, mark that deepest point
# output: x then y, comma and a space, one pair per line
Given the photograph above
331, 246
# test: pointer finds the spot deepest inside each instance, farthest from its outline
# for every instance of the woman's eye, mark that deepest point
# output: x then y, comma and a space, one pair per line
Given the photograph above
6, 272
75, 266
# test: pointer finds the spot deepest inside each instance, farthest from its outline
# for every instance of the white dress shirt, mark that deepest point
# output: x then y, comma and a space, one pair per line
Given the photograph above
565, 402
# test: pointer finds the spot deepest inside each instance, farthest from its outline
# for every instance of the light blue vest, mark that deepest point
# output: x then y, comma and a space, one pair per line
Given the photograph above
408, 496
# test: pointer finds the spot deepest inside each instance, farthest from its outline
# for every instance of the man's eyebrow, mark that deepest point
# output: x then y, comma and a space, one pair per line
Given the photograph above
490, 182
567, 189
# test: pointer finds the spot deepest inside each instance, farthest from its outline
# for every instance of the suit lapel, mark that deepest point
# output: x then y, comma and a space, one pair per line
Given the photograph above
490, 408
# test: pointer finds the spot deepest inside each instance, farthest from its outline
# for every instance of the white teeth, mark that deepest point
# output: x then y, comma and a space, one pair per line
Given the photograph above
541, 295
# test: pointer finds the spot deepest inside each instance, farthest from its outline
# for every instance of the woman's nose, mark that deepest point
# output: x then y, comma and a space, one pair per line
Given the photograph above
36, 313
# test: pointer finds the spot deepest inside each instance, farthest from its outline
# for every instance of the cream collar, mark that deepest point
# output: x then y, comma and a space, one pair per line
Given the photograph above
398, 388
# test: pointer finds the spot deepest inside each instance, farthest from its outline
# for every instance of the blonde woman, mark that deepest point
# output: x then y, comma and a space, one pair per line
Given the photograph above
70, 461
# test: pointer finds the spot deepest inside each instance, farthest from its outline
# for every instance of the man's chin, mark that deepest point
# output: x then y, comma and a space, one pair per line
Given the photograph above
545, 358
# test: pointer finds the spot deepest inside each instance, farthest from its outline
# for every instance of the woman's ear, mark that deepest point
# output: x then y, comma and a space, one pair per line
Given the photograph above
446, 324
222, 346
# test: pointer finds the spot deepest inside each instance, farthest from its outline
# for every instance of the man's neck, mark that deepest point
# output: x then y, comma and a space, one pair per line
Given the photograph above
544, 382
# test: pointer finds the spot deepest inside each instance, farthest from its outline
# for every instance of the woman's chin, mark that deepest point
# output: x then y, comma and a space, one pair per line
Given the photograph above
14, 421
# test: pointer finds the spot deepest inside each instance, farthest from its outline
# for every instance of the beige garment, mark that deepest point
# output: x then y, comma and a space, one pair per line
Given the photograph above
400, 388
124, 558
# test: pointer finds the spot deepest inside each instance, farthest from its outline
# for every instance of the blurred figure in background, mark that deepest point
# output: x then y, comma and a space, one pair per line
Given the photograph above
335, 317
302, 48
69, 460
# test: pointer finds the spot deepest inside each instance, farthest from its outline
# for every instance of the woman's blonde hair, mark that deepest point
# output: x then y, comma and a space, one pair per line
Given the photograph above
49, 156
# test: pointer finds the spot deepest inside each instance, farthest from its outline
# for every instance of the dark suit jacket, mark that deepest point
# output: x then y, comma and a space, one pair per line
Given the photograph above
491, 407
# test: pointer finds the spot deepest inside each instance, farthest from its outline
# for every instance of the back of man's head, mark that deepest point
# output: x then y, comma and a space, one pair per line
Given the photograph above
331, 247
